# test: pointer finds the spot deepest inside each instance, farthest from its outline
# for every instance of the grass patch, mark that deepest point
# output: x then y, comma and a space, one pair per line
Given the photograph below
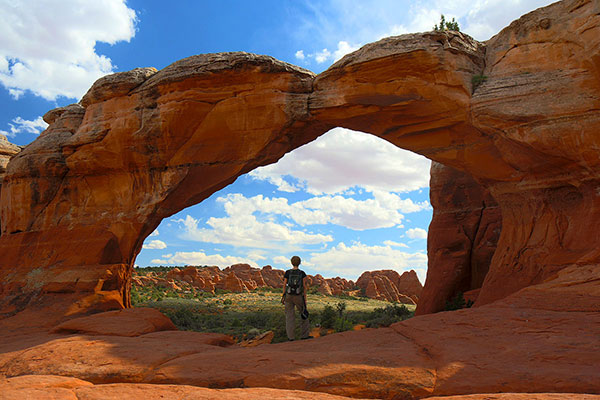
244, 315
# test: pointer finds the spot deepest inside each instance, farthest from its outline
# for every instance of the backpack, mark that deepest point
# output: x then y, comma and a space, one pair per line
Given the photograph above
294, 282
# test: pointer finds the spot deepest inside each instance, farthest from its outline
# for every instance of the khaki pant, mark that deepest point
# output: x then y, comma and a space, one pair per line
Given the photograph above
292, 300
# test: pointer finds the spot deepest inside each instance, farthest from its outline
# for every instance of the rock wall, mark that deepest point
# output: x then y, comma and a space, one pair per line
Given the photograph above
143, 145
389, 285
462, 237
7, 151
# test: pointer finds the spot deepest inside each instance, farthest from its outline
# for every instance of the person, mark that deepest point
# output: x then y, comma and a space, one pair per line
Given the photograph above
294, 296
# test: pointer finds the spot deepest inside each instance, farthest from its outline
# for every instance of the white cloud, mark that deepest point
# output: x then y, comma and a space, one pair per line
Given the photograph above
20, 125
154, 244
322, 56
201, 258
416, 233
281, 262
343, 49
383, 211
342, 159
325, 55
391, 243
353, 260
248, 231
155, 233
48, 47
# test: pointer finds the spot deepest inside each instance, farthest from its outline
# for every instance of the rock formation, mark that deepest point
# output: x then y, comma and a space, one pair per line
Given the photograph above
7, 151
462, 237
77, 204
391, 286
240, 278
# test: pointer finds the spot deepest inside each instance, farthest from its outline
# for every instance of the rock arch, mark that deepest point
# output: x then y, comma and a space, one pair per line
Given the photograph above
77, 203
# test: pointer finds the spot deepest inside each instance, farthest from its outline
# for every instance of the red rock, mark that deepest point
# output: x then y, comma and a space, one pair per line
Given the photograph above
232, 283
527, 134
462, 237
272, 277
386, 285
129, 322
57, 387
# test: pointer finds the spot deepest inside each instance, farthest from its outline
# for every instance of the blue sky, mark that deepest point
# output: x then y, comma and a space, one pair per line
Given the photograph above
346, 203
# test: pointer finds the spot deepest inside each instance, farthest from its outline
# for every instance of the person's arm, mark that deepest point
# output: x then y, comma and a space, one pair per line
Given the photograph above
305, 288
284, 287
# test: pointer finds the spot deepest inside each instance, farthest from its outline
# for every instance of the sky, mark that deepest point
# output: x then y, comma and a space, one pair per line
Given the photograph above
346, 203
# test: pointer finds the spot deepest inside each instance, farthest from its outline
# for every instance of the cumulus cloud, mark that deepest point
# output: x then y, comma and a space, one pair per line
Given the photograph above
391, 243
154, 245
248, 231
322, 56
201, 258
353, 260
155, 233
20, 125
48, 47
416, 233
383, 211
342, 159
343, 48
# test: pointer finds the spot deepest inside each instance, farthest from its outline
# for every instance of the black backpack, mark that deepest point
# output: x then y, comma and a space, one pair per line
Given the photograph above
294, 282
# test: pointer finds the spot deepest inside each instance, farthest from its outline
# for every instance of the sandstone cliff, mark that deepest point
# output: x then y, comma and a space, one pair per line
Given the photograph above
7, 151
141, 139
462, 237
391, 286
77, 204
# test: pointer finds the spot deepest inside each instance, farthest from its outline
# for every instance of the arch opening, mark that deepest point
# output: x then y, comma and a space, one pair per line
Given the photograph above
347, 202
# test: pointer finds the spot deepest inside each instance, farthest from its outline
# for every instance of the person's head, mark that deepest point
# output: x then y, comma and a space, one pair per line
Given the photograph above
295, 261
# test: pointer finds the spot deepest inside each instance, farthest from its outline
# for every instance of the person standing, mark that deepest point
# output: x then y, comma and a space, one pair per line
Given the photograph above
294, 296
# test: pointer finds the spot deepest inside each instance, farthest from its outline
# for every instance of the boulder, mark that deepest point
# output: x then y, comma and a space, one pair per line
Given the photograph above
129, 322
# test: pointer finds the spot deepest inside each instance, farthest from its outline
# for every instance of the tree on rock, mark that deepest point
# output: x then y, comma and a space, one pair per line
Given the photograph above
446, 25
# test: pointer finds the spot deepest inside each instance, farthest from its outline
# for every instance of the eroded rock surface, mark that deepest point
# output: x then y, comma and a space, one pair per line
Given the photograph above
77, 203
462, 237
391, 286
240, 278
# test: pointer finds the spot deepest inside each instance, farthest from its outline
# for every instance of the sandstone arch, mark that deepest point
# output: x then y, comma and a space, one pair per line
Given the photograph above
77, 203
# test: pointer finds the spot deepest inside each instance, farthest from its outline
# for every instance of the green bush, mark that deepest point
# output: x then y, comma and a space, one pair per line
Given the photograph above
457, 302
446, 25
342, 325
328, 316
477, 80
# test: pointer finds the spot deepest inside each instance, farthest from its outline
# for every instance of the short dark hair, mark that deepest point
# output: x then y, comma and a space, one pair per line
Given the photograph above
295, 261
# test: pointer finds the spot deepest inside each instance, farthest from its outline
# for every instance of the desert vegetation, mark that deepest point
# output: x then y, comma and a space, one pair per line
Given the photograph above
246, 315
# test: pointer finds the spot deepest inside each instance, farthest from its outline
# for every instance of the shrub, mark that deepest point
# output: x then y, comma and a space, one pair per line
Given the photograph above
457, 302
446, 25
328, 316
342, 325
340, 307
477, 80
